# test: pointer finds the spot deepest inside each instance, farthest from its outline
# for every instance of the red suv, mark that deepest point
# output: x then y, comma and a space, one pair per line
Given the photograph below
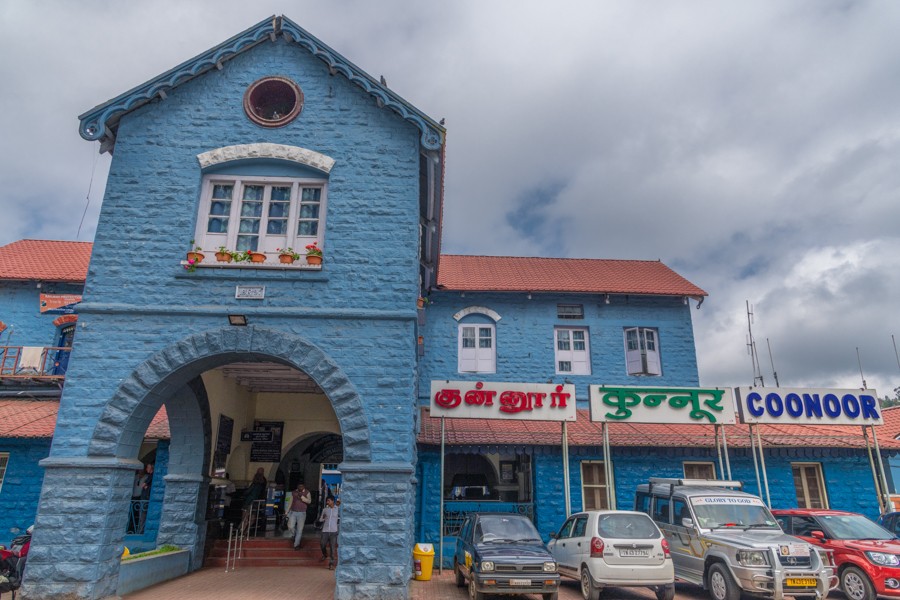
866, 555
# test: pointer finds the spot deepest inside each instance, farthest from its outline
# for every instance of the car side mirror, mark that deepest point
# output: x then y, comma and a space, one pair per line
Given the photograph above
819, 535
552, 536
687, 522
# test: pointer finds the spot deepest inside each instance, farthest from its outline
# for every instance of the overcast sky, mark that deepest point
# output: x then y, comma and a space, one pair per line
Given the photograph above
754, 147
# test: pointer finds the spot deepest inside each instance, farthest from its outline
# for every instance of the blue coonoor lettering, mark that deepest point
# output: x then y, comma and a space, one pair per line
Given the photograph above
774, 404
793, 405
868, 407
813, 405
753, 400
832, 405
851, 405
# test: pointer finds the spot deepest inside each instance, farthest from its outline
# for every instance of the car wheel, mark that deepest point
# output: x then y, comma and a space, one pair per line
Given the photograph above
473, 593
589, 591
721, 584
666, 592
460, 579
856, 585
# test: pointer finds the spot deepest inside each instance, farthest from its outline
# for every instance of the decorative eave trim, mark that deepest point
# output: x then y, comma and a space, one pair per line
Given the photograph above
303, 156
100, 122
432, 133
478, 310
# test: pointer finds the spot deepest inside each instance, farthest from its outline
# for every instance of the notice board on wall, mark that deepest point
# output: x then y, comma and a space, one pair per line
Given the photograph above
267, 451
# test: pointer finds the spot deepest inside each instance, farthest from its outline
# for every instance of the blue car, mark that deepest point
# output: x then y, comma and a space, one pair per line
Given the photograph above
502, 553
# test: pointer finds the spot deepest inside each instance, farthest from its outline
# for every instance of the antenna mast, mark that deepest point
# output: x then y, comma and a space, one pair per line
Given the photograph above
772, 360
751, 349
859, 362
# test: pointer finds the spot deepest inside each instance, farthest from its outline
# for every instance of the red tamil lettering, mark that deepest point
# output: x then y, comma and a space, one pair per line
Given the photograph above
513, 402
558, 398
537, 398
447, 398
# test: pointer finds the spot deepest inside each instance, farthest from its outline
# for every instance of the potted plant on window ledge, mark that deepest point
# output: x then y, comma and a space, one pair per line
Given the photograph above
313, 254
287, 255
223, 254
196, 255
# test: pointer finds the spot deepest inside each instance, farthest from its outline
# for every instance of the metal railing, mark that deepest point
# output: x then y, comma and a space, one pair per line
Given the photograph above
34, 362
137, 516
249, 526
455, 512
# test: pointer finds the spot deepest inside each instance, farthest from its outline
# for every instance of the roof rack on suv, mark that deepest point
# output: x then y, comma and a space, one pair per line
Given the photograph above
671, 481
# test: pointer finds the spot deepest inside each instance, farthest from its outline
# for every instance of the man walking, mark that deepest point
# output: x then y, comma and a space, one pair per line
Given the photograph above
300, 499
329, 520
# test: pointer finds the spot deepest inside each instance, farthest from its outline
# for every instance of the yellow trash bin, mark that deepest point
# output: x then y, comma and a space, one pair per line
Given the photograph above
423, 561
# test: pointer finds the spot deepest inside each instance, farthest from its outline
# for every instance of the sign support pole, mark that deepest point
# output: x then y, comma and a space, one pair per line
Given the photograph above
607, 463
719, 450
565, 457
725, 447
884, 488
865, 433
441, 495
762, 462
755, 459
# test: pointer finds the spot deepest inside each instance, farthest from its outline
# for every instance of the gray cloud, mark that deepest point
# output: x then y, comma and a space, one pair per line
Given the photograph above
751, 146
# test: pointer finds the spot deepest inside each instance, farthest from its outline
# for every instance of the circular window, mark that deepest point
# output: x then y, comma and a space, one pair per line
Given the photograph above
273, 101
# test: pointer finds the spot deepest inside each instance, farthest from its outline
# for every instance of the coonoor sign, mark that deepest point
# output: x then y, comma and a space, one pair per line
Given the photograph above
809, 406
662, 405
511, 401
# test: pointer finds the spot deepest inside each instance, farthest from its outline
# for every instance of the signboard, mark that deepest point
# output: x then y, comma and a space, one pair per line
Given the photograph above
662, 405
809, 406
59, 304
267, 451
503, 400
256, 436
250, 292
223, 437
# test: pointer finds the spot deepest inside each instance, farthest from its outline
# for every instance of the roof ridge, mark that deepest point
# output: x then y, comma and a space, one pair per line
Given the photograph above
555, 258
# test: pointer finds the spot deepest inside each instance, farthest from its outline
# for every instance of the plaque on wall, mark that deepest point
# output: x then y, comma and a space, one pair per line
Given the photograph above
267, 451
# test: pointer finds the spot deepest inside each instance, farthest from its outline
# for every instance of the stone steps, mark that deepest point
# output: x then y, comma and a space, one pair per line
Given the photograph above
270, 552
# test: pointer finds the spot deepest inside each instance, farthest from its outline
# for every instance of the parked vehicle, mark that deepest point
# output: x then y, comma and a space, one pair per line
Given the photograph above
728, 541
12, 563
891, 522
502, 553
619, 548
866, 555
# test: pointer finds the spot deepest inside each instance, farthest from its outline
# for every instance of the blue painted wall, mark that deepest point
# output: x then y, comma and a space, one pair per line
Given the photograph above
20, 311
149, 214
21, 485
525, 346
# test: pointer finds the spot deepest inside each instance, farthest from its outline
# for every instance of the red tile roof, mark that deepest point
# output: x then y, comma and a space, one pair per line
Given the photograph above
37, 419
45, 260
583, 432
578, 275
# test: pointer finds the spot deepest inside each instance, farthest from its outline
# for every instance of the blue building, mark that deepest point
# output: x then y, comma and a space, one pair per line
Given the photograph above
271, 220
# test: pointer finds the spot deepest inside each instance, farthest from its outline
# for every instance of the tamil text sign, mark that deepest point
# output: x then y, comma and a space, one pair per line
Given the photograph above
809, 406
662, 405
510, 401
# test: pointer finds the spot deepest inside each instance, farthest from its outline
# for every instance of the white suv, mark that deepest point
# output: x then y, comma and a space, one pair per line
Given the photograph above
614, 548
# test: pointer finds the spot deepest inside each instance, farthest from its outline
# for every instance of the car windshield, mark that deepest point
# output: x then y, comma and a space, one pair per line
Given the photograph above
501, 528
853, 527
732, 511
633, 527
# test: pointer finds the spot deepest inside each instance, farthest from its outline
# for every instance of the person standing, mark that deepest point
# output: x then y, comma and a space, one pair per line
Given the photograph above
329, 520
146, 486
256, 491
297, 513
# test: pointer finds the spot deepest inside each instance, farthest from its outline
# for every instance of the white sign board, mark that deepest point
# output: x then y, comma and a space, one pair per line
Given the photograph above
250, 292
503, 400
662, 405
809, 406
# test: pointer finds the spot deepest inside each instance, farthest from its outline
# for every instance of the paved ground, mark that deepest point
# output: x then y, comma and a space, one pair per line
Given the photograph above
318, 583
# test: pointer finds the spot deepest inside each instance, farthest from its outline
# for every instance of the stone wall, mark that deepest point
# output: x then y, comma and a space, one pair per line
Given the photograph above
21, 484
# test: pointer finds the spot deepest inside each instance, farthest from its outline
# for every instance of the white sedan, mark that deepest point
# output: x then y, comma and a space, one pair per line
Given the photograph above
617, 548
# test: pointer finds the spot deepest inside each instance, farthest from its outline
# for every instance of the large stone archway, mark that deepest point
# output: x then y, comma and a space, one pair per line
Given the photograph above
79, 533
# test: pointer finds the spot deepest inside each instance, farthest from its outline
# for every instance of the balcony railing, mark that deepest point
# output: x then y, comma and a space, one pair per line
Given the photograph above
34, 362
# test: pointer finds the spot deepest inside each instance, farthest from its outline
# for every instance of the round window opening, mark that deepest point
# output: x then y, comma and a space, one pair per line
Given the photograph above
273, 101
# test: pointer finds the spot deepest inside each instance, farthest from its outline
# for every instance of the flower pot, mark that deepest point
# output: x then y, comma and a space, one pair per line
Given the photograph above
257, 257
223, 257
196, 256
420, 303
286, 259
313, 259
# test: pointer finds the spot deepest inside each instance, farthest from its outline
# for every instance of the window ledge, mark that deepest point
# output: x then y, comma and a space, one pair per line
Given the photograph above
245, 271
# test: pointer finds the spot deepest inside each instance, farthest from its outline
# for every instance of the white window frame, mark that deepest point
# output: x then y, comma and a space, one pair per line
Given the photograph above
642, 356
698, 464
477, 359
267, 243
597, 490
579, 360
805, 469
4, 463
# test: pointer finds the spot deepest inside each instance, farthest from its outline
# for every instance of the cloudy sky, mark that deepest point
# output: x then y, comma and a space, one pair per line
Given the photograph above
754, 147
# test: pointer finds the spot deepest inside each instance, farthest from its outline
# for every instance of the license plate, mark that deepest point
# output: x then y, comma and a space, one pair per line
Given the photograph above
518, 582
800, 582
633, 552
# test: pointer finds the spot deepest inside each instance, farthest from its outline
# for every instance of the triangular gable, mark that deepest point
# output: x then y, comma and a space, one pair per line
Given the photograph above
101, 122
